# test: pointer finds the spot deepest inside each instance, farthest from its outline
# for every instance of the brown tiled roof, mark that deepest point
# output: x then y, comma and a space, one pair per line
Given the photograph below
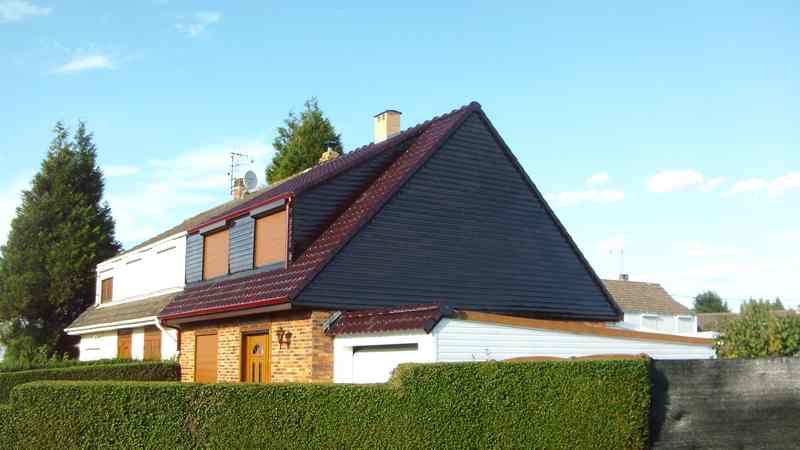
136, 309
405, 318
644, 297
282, 285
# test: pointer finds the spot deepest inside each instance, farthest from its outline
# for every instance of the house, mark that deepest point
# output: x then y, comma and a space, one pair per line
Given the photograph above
649, 307
439, 214
132, 289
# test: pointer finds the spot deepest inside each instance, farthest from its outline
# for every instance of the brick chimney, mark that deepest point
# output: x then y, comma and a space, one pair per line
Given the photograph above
387, 124
329, 154
238, 189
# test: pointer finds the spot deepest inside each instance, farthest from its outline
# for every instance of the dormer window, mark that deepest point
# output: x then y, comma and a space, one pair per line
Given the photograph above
271, 239
106, 290
215, 254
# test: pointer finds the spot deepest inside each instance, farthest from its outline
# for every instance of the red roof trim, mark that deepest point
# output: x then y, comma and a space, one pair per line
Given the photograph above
226, 308
241, 212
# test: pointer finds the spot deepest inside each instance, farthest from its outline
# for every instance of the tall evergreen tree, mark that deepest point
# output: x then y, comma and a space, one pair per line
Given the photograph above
301, 142
61, 231
710, 302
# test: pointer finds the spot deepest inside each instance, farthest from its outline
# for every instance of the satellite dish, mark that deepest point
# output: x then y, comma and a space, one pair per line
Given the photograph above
250, 180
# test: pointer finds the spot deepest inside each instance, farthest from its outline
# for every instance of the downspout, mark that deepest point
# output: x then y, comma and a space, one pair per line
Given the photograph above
163, 330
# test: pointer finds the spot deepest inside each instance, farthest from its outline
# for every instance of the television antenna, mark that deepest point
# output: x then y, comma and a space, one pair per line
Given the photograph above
237, 161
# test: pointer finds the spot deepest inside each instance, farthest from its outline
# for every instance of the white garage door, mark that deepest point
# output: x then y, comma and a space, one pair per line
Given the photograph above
374, 364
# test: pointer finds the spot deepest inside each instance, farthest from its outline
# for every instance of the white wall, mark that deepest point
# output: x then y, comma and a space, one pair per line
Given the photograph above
461, 340
152, 270
660, 323
98, 346
103, 345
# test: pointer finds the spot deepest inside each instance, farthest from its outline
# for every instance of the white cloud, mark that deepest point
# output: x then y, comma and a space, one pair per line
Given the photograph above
197, 23
674, 180
712, 184
787, 182
774, 188
16, 10
80, 64
164, 192
587, 196
597, 179
119, 170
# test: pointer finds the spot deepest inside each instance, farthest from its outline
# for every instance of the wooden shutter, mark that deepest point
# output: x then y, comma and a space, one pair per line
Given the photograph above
152, 343
124, 344
215, 254
106, 290
205, 358
271, 239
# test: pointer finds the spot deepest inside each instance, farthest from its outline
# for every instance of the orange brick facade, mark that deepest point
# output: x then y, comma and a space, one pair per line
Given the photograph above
308, 357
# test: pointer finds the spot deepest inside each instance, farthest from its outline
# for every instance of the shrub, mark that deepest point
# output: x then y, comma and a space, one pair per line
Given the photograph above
553, 404
759, 332
139, 371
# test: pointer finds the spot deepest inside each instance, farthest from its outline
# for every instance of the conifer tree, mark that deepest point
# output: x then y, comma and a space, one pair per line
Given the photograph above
301, 142
62, 229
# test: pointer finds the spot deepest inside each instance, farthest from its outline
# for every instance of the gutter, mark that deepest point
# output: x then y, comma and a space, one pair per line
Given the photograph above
109, 326
224, 309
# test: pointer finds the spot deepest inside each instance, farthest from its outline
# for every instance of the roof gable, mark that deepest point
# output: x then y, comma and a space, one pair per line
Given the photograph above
470, 230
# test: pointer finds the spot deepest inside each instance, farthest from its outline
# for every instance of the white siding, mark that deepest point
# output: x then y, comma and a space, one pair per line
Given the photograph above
152, 270
460, 340
169, 344
137, 343
98, 346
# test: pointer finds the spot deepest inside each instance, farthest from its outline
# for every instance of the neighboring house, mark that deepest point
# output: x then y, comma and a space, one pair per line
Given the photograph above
648, 307
368, 345
441, 213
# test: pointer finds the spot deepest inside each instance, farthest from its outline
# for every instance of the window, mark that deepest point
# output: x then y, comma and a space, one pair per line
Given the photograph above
271, 239
686, 325
215, 254
106, 290
152, 343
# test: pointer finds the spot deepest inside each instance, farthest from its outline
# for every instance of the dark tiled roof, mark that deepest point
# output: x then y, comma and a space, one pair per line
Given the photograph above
136, 309
284, 284
644, 297
413, 317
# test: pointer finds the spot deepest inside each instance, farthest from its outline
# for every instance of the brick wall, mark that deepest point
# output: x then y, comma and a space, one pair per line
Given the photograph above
307, 358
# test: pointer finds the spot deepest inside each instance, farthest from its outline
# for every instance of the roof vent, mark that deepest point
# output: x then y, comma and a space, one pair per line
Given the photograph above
387, 124
623, 277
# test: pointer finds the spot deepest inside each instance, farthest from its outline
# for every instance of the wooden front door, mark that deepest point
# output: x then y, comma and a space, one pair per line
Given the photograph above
124, 344
255, 360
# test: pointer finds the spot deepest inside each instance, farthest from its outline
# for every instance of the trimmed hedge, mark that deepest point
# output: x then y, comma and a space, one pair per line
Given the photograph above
570, 404
138, 371
6, 366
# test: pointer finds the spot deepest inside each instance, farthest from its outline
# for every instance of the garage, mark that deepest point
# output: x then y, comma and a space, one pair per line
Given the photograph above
374, 363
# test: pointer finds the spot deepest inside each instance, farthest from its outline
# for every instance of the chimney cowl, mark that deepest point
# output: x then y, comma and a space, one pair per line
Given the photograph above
386, 125
623, 277
329, 155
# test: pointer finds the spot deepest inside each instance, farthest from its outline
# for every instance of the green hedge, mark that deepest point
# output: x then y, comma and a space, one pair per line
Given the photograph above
138, 371
12, 366
571, 404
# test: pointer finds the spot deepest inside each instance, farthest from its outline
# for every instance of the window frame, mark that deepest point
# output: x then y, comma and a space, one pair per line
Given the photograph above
282, 263
103, 299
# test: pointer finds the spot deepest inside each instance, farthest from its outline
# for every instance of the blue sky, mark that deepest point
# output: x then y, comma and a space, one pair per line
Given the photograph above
668, 130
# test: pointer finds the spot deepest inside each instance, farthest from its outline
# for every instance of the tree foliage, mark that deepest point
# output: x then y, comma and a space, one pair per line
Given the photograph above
301, 142
710, 302
760, 331
60, 232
